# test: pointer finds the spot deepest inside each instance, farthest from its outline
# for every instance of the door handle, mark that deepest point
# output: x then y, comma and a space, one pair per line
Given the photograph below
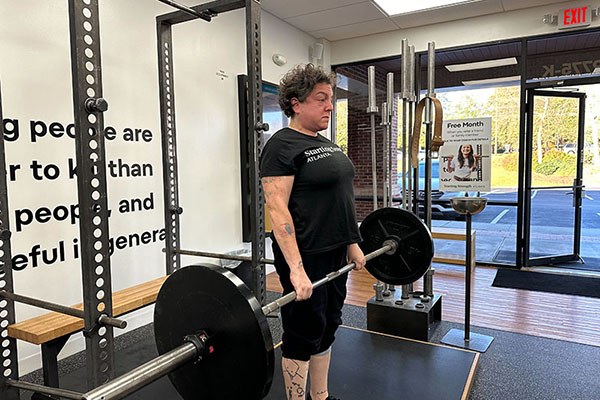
577, 193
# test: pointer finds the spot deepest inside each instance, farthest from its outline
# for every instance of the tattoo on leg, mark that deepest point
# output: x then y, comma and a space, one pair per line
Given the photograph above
295, 391
293, 370
297, 380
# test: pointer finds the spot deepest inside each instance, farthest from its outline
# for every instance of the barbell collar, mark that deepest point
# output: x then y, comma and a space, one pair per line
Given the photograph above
144, 374
200, 341
390, 245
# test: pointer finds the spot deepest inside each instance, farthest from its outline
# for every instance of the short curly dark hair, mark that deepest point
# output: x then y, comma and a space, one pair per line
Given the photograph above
299, 82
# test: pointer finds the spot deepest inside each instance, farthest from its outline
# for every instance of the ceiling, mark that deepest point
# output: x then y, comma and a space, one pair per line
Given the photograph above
343, 19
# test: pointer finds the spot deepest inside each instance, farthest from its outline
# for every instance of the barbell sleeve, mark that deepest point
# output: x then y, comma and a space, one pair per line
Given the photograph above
390, 246
144, 374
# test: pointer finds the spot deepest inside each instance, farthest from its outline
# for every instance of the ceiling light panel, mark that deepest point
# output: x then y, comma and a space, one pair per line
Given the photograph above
396, 7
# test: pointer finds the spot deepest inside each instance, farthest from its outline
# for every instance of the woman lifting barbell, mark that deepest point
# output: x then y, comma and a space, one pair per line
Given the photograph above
308, 186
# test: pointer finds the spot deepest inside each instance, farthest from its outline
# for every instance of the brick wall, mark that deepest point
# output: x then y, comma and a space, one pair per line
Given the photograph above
359, 137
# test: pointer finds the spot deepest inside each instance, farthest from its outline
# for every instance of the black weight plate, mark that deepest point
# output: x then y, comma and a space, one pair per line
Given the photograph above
415, 245
210, 298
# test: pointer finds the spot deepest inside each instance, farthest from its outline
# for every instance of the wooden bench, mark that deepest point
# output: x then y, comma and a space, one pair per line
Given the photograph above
52, 330
453, 234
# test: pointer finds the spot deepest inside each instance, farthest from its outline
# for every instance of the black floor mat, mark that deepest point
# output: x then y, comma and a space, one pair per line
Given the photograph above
365, 365
550, 283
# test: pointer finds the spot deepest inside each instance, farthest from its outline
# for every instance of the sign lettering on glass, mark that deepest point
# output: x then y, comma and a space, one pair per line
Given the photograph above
572, 68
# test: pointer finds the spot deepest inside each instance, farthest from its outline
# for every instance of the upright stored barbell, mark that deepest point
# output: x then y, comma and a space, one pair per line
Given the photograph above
213, 336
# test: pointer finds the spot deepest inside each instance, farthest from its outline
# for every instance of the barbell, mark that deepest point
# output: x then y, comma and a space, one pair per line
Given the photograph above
212, 333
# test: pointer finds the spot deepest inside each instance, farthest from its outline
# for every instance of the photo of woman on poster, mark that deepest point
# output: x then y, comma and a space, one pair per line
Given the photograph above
464, 163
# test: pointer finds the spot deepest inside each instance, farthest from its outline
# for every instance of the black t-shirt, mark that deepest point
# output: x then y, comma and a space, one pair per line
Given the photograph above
322, 198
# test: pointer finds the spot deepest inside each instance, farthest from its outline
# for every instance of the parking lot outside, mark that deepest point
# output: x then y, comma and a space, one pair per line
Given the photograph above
551, 225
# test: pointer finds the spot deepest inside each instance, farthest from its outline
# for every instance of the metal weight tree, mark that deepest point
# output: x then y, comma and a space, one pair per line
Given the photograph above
253, 125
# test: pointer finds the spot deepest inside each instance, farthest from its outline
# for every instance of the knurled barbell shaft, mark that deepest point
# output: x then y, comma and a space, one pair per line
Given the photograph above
288, 298
219, 255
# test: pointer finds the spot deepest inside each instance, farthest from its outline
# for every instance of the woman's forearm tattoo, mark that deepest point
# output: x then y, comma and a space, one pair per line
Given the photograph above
288, 229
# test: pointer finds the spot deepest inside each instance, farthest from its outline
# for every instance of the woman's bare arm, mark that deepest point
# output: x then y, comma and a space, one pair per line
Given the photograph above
277, 190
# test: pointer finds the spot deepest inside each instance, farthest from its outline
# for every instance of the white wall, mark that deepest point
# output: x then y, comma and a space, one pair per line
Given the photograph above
36, 86
513, 24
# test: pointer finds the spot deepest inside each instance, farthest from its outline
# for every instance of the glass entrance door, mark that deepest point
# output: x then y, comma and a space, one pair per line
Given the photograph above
553, 184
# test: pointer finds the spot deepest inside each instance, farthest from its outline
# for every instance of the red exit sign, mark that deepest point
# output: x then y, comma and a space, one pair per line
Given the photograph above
575, 17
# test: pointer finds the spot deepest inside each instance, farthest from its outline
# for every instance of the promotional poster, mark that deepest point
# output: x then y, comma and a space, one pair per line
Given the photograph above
465, 163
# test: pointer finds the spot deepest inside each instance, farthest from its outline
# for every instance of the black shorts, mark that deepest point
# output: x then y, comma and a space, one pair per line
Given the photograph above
309, 326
